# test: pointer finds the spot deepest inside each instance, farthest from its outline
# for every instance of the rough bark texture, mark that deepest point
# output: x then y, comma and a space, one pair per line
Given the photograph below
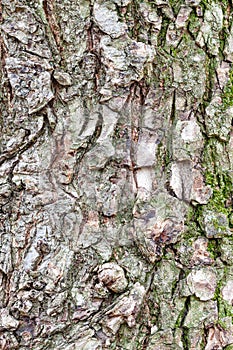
116, 175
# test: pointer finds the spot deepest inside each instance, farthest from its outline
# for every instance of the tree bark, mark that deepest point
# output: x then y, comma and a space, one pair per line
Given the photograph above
116, 175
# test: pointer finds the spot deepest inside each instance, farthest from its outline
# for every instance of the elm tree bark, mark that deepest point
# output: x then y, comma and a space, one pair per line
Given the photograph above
116, 175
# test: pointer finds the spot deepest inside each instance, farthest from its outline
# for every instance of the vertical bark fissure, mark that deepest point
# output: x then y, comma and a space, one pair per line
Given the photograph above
115, 175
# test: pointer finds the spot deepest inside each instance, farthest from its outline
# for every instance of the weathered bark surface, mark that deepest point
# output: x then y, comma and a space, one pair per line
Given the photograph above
116, 175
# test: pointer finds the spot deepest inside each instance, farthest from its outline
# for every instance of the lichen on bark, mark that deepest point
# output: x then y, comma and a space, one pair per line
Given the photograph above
116, 175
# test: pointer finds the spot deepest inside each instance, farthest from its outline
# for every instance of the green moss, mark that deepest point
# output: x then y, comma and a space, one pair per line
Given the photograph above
222, 190
205, 3
211, 65
173, 52
213, 248
175, 4
193, 222
185, 338
194, 24
218, 179
222, 324
180, 320
163, 32
229, 347
224, 308
227, 97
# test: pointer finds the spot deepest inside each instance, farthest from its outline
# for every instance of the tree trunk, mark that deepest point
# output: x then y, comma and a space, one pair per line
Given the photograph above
116, 175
